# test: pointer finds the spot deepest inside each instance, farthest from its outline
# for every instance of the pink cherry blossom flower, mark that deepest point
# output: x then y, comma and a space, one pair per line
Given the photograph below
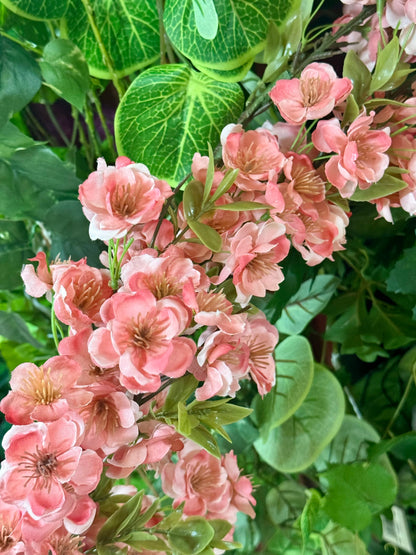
43, 393
313, 96
116, 198
44, 463
255, 251
11, 529
360, 159
241, 499
142, 336
254, 153
79, 293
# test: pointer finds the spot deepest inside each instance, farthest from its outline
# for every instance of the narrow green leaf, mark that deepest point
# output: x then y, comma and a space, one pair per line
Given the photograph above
359, 74
294, 369
179, 391
65, 70
129, 31
225, 185
296, 444
193, 200
184, 424
311, 298
209, 180
206, 234
141, 541
119, 521
19, 78
309, 516
387, 185
403, 446
205, 439
165, 130
387, 58
240, 205
206, 18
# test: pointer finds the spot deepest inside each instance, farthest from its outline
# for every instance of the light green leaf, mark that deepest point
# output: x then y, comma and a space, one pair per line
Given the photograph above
243, 205
356, 492
179, 391
205, 439
164, 130
296, 444
336, 540
121, 520
193, 199
311, 298
19, 78
294, 367
129, 31
191, 536
387, 185
184, 423
242, 31
206, 234
387, 58
359, 74
227, 75
309, 516
206, 18
65, 70
36, 9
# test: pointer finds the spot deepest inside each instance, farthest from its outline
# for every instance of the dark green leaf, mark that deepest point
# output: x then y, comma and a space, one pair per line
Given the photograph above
129, 31
65, 70
296, 444
191, 536
403, 446
311, 298
359, 74
356, 492
401, 277
19, 78
164, 131
13, 327
34, 9
14, 252
294, 368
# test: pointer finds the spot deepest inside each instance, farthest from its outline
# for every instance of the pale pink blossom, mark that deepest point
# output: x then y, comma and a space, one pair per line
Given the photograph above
44, 464
79, 293
313, 96
115, 198
400, 13
255, 251
43, 393
360, 159
11, 529
242, 488
142, 336
254, 153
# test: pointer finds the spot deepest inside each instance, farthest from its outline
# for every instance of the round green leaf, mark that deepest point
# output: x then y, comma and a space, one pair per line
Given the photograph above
171, 112
65, 70
285, 502
296, 444
129, 31
242, 31
34, 9
294, 366
336, 540
191, 536
19, 79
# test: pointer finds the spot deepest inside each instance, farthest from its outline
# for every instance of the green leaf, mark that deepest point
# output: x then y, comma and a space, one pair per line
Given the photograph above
356, 492
311, 298
296, 444
387, 59
309, 516
387, 185
141, 541
13, 327
206, 18
179, 391
164, 130
122, 521
205, 439
129, 31
401, 277
34, 9
240, 205
19, 78
294, 369
193, 199
403, 446
242, 31
14, 252
336, 540
206, 234
285, 502
209, 179
184, 423
191, 536
225, 184
65, 70
359, 74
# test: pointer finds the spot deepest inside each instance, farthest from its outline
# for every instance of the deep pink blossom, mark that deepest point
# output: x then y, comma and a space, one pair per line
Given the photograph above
313, 96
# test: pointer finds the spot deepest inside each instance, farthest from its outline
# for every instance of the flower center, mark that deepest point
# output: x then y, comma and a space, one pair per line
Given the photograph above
40, 467
261, 265
67, 545
204, 480
6, 539
124, 201
307, 182
313, 90
162, 285
40, 387
211, 302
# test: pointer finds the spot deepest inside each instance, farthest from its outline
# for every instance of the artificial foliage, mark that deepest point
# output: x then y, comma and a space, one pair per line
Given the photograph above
207, 277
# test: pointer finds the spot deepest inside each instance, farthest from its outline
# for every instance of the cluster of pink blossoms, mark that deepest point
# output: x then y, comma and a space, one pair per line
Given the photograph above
175, 307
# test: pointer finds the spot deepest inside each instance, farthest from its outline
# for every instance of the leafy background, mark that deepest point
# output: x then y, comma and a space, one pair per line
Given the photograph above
331, 448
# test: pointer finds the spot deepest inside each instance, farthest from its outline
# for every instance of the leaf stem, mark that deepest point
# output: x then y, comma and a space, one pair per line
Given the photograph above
402, 401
